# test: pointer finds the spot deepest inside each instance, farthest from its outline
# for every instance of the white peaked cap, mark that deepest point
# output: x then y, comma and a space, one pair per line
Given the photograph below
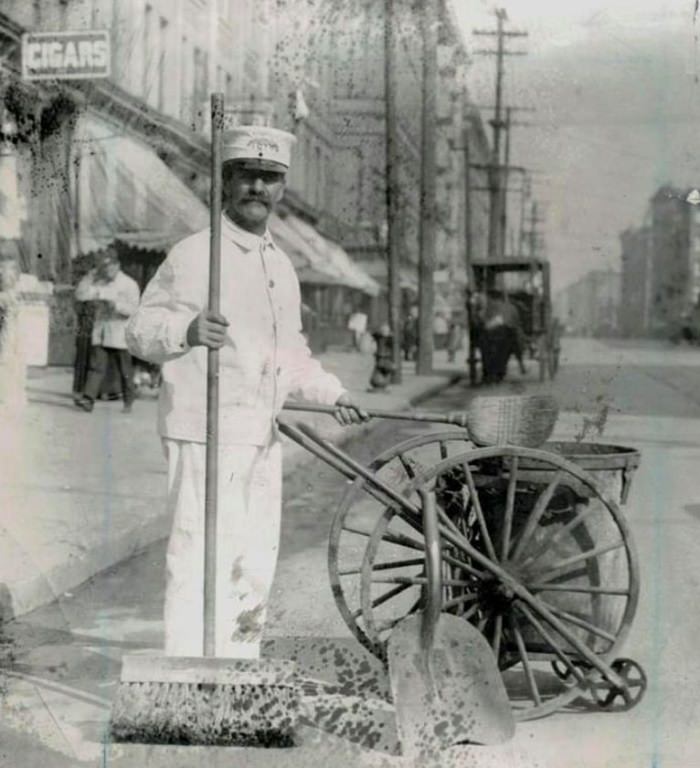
258, 145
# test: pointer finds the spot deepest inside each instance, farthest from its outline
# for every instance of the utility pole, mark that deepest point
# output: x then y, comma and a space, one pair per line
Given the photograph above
468, 252
392, 188
426, 267
503, 196
524, 195
495, 182
532, 233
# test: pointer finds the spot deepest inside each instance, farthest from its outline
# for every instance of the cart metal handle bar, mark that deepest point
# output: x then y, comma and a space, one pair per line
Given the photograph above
309, 439
457, 418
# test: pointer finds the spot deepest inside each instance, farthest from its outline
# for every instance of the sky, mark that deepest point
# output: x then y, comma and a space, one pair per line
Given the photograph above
615, 86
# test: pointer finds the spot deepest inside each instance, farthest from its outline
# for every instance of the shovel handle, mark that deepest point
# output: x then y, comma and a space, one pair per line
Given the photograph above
457, 418
433, 566
212, 446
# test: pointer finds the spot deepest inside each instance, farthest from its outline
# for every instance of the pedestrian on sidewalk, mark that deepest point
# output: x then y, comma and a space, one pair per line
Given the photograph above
263, 358
357, 325
116, 297
409, 336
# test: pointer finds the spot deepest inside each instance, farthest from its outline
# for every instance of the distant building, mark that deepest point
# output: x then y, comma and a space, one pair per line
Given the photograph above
636, 281
589, 307
675, 269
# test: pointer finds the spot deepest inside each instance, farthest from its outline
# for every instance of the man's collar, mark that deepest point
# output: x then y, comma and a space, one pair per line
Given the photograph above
246, 240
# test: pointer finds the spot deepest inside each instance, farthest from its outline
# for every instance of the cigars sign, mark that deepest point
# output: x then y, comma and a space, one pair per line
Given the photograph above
65, 55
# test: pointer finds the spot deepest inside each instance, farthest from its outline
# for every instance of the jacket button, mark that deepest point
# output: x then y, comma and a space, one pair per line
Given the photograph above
279, 370
271, 283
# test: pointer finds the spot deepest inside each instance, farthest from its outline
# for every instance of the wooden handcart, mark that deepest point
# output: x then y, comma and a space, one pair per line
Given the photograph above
536, 551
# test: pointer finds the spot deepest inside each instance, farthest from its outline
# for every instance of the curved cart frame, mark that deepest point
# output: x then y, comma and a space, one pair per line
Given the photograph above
490, 574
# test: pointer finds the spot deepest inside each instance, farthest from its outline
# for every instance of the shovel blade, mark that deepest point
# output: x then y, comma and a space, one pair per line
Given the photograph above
450, 693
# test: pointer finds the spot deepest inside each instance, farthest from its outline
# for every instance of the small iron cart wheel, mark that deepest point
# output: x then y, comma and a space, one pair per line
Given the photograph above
535, 554
359, 511
622, 698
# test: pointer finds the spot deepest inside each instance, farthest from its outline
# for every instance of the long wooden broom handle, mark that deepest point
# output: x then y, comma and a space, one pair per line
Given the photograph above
212, 445
458, 418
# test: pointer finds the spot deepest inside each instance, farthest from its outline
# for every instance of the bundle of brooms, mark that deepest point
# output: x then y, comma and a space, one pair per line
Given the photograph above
208, 700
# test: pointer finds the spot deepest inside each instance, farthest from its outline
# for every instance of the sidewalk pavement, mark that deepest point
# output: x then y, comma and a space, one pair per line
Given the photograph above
81, 492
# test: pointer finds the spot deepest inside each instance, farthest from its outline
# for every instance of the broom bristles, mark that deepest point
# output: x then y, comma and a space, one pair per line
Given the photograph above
205, 714
206, 700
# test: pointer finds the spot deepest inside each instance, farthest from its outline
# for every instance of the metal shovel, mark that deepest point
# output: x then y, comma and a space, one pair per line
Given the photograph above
445, 682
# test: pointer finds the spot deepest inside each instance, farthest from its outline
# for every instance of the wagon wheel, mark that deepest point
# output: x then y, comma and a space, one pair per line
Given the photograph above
358, 513
534, 554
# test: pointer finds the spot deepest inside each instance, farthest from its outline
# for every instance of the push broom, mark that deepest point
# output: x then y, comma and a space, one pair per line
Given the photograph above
207, 700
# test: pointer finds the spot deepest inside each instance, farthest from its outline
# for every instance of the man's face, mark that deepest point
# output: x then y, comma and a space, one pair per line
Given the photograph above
250, 194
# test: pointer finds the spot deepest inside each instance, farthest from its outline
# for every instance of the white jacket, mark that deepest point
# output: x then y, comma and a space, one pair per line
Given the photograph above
264, 358
110, 320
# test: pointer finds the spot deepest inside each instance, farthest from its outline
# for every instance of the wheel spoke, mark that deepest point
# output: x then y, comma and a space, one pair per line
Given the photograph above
483, 621
564, 566
522, 652
466, 616
548, 542
357, 531
389, 595
551, 642
510, 504
479, 512
386, 624
537, 511
497, 635
592, 628
418, 580
581, 589
401, 540
396, 564
452, 560
466, 597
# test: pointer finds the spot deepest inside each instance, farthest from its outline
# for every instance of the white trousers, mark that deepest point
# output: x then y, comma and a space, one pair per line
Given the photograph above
248, 530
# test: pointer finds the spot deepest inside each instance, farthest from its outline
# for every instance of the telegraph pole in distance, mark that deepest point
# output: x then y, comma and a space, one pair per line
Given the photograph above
495, 181
392, 188
426, 267
503, 197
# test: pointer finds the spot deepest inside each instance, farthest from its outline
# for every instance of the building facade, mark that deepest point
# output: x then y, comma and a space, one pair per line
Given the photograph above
661, 265
675, 269
636, 281
590, 306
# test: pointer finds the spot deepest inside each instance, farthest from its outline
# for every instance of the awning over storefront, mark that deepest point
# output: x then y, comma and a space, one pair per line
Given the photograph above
124, 191
330, 258
292, 244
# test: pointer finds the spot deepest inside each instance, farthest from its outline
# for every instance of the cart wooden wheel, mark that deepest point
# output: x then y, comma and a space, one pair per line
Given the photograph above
359, 512
535, 554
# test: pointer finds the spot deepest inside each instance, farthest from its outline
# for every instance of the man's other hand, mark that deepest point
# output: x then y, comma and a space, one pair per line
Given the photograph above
208, 329
347, 413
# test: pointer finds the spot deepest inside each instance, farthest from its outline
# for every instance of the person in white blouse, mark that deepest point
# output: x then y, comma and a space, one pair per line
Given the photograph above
263, 358
117, 297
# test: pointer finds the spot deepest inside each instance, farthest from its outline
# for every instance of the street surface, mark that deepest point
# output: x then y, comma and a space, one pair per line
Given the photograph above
63, 661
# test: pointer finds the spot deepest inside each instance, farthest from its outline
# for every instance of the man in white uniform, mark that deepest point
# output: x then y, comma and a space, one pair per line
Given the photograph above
263, 358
